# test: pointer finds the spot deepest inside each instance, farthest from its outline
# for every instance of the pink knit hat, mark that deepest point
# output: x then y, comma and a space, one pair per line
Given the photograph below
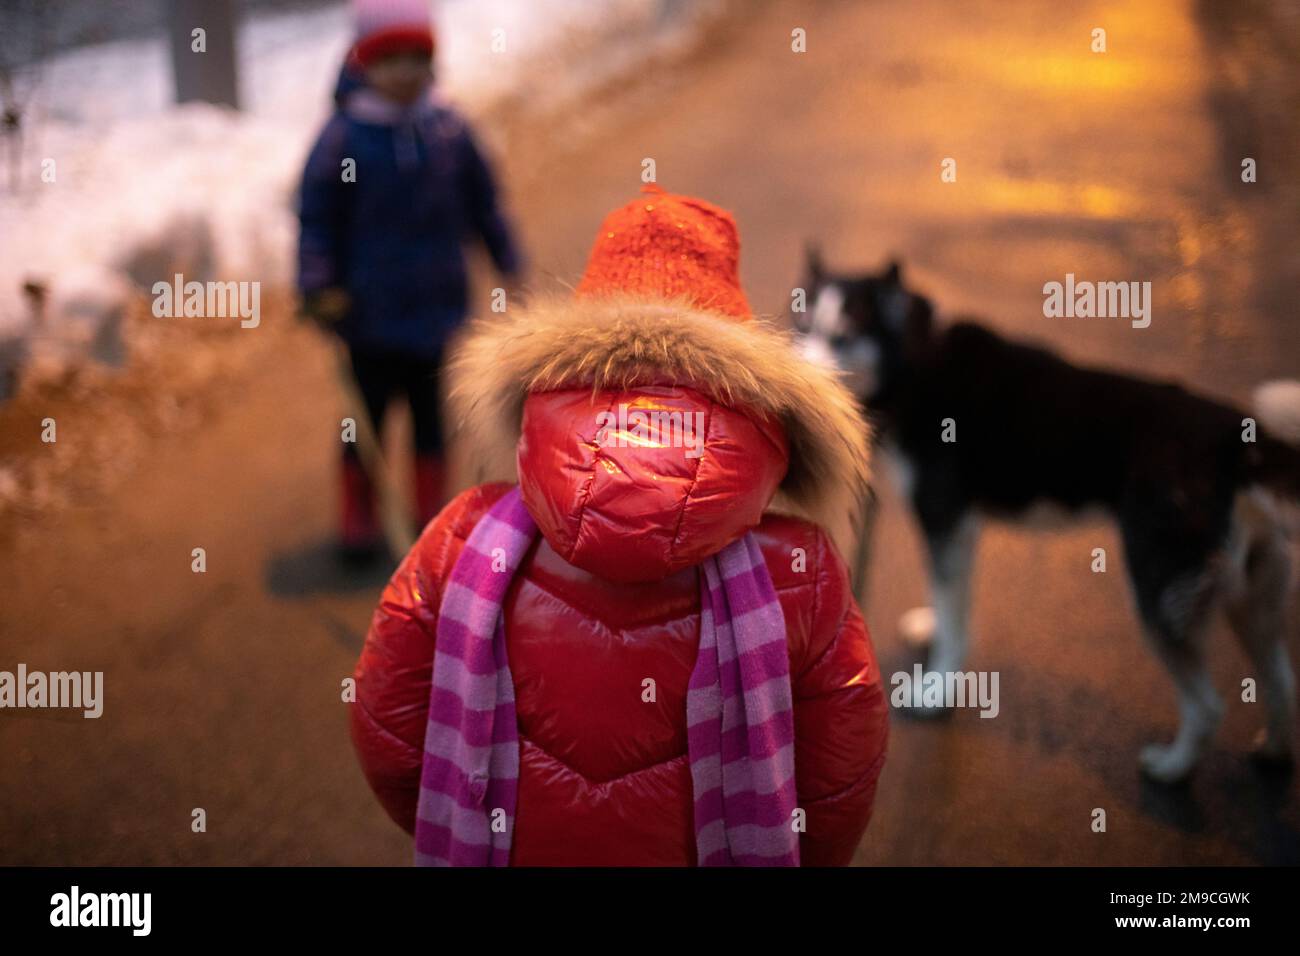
384, 27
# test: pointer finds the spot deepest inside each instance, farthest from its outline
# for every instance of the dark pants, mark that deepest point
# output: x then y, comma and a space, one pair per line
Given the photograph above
381, 375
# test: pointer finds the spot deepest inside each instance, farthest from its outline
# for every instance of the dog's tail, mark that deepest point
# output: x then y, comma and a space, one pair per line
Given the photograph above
1276, 462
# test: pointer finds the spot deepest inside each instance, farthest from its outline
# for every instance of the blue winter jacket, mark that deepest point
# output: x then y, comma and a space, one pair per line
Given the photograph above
393, 238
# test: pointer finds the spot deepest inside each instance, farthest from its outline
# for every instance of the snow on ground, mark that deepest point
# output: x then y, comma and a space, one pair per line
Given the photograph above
144, 188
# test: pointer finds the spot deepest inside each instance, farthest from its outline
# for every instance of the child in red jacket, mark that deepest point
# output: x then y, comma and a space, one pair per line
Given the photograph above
629, 657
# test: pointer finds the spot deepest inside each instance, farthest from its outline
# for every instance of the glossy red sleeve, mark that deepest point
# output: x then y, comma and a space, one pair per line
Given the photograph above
396, 664
841, 718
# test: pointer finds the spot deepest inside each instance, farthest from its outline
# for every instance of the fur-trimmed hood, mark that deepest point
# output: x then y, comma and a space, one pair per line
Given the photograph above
622, 343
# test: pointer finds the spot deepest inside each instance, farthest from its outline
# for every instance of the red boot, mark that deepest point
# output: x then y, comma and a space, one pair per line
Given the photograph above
430, 478
360, 528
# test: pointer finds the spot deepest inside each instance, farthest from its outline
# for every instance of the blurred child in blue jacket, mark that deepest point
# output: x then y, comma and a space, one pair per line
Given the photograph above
393, 189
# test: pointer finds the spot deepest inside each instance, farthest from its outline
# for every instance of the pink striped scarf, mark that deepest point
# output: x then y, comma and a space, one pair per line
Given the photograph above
740, 720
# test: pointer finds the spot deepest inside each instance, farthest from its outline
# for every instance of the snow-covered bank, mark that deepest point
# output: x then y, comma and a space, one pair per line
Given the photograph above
142, 189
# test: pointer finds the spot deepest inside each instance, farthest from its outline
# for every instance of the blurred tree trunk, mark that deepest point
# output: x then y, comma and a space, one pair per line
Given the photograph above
26, 32
670, 11
204, 64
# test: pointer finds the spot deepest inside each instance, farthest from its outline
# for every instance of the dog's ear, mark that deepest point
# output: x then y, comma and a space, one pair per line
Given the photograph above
894, 272
813, 261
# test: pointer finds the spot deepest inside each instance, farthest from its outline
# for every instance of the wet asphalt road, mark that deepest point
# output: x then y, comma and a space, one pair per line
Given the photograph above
223, 687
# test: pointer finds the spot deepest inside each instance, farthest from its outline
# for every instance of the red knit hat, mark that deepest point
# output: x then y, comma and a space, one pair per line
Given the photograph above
385, 27
668, 246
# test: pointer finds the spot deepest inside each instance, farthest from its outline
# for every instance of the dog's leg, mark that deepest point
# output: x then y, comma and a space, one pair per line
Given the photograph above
1176, 616
1259, 579
916, 625
862, 553
952, 554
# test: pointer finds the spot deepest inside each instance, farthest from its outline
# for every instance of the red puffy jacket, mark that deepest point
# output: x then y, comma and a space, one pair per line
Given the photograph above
609, 596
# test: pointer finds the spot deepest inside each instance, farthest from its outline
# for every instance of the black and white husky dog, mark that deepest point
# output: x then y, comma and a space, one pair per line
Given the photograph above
980, 425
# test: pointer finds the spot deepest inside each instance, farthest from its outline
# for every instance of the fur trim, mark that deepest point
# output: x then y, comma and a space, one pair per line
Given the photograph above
622, 342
